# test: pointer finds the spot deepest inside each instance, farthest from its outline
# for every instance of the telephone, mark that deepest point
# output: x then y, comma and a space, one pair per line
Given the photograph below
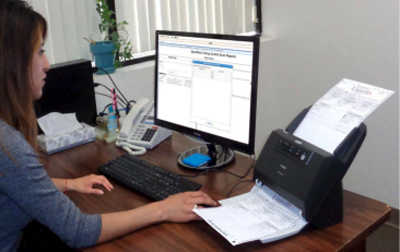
138, 131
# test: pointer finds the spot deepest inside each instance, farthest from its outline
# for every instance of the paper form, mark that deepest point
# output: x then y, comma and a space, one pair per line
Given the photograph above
258, 215
335, 114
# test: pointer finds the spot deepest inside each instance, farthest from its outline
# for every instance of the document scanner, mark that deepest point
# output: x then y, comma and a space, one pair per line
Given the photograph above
308, 177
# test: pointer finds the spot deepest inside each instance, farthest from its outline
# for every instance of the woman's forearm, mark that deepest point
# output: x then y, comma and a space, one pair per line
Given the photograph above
61, 184
176, 208
120, 223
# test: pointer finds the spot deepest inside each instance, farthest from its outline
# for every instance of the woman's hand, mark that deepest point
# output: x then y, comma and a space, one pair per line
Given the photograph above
178, 208
85, 184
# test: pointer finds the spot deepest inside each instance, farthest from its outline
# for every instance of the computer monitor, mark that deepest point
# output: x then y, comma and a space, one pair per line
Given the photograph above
206, 88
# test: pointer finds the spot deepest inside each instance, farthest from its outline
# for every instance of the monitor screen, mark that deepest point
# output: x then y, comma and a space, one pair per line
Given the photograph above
206, 86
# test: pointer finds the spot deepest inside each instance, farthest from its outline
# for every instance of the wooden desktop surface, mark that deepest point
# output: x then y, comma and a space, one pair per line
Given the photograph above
361, 215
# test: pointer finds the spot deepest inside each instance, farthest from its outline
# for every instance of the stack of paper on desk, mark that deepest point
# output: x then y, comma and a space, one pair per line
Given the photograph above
260, 214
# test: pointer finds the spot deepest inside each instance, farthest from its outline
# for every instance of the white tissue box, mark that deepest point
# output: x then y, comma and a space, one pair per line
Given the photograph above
60, 142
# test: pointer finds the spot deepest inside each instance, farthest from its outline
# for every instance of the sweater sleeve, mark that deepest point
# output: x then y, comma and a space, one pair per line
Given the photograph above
26, 182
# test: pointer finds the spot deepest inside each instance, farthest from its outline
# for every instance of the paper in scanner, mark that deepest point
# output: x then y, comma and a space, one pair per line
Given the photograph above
335, 114
247, 217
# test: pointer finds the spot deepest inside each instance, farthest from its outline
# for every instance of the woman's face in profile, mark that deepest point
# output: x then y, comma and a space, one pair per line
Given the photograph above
40, 65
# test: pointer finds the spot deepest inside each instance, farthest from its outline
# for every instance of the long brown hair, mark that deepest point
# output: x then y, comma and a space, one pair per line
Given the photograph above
20, 31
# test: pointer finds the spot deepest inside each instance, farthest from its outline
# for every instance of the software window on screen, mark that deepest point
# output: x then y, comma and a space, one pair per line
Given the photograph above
205, 84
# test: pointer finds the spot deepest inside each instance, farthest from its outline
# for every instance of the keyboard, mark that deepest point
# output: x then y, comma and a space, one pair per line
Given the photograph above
151, 180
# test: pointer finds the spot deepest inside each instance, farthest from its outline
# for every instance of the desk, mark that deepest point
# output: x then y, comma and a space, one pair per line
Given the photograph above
362, 215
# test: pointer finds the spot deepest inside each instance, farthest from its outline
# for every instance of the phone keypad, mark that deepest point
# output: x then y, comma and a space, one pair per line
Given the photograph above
148, 135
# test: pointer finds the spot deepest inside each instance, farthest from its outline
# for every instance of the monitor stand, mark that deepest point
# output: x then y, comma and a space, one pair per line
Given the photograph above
220, 156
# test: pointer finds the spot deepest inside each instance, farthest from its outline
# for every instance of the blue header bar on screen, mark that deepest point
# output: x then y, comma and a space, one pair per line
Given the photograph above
211, 64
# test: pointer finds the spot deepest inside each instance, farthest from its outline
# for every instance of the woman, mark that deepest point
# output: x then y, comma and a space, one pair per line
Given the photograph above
26, 192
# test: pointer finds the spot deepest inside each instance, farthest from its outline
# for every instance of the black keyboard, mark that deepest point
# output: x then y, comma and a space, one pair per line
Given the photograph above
149, 179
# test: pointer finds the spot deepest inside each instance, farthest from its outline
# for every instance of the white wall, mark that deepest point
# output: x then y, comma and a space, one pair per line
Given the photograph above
135, 82
319, 42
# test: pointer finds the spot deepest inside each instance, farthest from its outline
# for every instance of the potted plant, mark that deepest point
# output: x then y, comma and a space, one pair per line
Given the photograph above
104, 51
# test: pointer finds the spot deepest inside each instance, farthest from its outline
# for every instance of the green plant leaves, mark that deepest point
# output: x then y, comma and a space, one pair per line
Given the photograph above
114, 36
109, 26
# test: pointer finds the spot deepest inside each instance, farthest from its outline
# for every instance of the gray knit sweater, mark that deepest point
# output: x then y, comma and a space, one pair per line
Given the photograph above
27, 192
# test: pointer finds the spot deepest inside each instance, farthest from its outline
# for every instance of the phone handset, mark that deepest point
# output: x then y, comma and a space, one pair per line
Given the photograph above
130, 118
127, 127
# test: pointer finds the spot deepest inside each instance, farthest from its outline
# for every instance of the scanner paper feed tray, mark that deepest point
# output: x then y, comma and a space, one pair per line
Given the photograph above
260, 214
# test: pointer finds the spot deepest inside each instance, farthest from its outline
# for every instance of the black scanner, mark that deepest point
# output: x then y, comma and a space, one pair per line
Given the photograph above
305, 175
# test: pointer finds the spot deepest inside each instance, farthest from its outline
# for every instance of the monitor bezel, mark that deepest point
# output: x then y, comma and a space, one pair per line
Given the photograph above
215, 139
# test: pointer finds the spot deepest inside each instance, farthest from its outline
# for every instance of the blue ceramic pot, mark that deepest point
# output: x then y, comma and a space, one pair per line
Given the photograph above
104, 56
